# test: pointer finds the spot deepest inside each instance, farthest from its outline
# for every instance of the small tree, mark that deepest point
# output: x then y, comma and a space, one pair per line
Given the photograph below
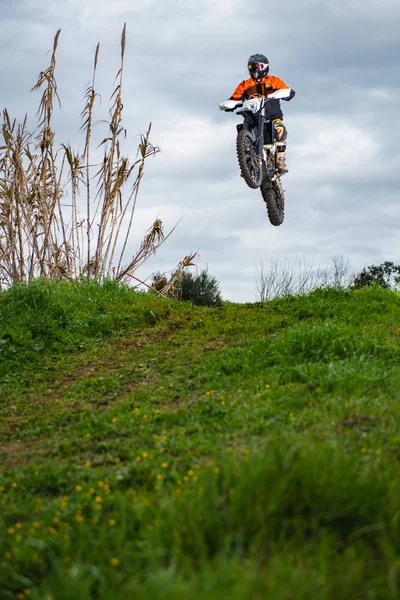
385, 275
201, 289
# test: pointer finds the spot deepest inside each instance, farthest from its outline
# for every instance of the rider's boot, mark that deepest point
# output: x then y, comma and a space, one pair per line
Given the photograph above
281, 159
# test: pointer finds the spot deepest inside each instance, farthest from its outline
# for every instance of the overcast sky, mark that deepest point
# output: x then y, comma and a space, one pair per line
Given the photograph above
182, 59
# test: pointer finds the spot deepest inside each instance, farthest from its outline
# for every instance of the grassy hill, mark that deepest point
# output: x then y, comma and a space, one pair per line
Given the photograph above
154, 450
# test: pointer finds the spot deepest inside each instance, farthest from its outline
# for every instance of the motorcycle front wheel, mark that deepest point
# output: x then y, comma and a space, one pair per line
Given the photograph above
250, 165
274, 197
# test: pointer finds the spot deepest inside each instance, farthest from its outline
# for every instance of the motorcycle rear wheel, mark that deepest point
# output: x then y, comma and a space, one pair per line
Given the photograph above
274, 197
250, 168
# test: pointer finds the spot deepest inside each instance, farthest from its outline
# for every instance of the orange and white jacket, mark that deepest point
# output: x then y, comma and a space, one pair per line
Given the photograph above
266, 86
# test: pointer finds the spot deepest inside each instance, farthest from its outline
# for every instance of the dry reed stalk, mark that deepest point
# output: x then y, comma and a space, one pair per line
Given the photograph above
49, 192
76, 177
113, 171
87, 114
170, 288
146, 149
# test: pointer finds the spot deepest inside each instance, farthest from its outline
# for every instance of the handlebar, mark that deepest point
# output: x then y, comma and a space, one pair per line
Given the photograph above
232, 105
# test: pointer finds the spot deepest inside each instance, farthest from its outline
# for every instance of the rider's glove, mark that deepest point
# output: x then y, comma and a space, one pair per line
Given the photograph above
229, 105
282, 94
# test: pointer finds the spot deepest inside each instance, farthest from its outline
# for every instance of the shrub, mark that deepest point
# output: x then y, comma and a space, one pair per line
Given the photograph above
201, 289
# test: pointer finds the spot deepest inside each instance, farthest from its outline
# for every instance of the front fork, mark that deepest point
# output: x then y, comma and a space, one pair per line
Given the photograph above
260, 141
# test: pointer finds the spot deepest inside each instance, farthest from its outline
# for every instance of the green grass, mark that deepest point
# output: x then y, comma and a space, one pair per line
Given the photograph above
153, 449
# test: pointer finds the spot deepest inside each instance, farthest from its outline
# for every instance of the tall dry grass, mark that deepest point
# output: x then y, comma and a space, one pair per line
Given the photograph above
61, 215
282, 277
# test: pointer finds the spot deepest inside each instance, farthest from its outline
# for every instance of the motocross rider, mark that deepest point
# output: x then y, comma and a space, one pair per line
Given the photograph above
260, 83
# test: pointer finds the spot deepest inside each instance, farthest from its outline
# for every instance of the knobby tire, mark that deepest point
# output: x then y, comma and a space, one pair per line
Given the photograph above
251, 171
274, 198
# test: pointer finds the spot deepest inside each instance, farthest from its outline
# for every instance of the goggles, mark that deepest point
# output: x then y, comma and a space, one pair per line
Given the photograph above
257, 66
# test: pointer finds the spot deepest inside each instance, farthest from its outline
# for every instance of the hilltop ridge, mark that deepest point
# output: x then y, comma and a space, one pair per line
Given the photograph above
155, 448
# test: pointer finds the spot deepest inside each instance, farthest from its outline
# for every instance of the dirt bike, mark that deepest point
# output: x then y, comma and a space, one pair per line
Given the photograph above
256, 151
